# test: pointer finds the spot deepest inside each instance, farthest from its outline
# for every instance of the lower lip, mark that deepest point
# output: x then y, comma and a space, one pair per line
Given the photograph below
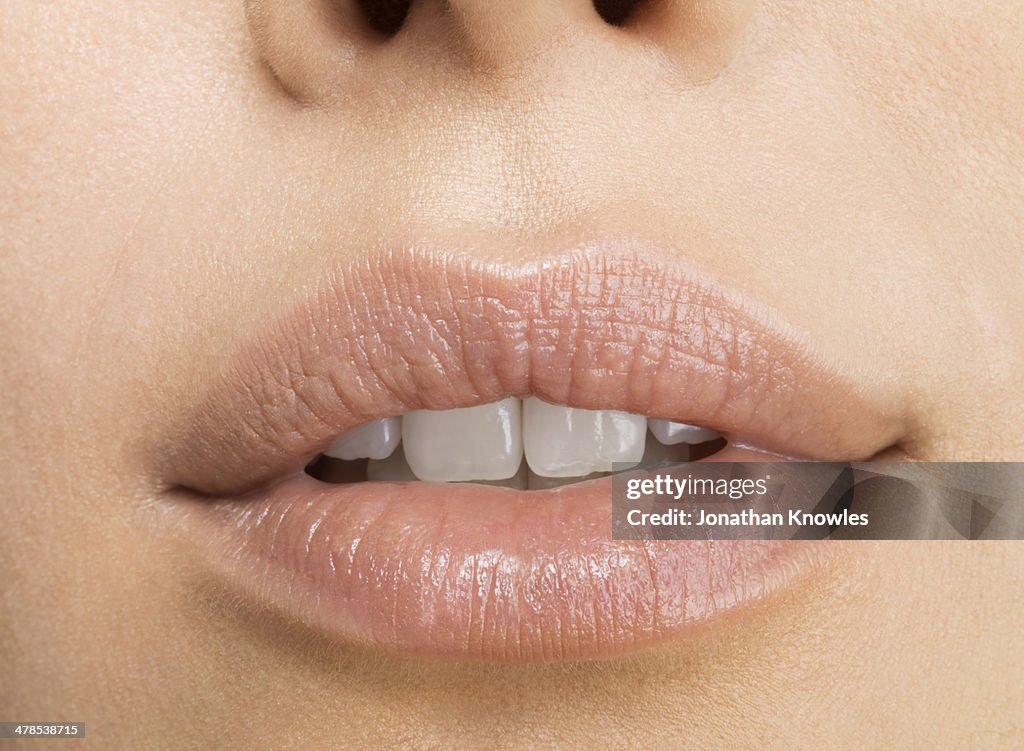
488, 573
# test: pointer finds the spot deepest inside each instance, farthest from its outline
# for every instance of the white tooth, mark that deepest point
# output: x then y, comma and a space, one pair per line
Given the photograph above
567, 442
372, 440
670, 433
471, 443
519, 481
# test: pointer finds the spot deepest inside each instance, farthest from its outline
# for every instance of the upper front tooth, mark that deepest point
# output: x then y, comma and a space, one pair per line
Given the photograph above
671, 433
376, 439
568, 442
472, 443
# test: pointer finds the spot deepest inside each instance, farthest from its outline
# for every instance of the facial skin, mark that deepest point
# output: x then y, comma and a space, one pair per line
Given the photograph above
175, 172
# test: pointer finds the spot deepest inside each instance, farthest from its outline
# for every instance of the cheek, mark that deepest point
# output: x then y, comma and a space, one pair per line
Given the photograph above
112, 102
941, 74
120, 127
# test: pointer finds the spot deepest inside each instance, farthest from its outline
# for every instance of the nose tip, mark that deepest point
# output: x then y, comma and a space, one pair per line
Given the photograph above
309, 44
496, 38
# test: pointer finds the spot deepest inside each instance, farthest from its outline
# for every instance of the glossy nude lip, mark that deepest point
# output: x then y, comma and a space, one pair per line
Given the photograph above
491, 573
475, 572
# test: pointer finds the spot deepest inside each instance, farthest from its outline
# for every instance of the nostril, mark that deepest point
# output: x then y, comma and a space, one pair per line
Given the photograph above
385, 16
615, 12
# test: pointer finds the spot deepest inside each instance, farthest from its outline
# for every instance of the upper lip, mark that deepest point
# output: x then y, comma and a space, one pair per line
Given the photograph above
604, 326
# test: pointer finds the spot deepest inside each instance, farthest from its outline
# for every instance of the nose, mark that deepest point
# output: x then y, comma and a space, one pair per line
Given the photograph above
313, 46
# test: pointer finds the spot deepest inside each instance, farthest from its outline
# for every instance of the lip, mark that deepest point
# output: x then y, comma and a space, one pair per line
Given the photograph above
468, 571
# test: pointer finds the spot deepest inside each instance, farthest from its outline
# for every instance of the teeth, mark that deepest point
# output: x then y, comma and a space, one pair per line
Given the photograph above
373, 440
568, 442
487, 444
472, 443
519, 481
670, 433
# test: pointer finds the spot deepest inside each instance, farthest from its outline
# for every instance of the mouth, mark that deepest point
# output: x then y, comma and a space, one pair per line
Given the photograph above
414, 458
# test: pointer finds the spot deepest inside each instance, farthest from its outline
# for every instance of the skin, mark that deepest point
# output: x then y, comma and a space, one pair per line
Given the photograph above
173, 172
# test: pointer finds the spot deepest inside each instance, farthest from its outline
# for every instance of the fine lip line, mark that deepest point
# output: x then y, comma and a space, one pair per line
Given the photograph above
472, 572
